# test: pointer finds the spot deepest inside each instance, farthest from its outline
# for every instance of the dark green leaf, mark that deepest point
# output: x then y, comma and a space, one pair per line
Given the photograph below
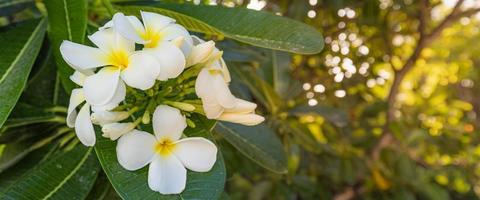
260, 89
134, 185
67, 175
14, 152
252, 27
12, 174
258, 143
67, 20
20, 46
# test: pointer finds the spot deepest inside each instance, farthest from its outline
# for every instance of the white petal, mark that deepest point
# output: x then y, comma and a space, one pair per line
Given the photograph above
110, 41
115, 130
79, 77
203, 83
117, 99
142, 71
212, 108
196, 40
173, 31
76, 98
109, 24
200, 53
242, 107
100, 88
135, 149
84, 127
170, 58
223, 94
225, 72
106, 117
168, 122
167, 175
129, 27
155, 22
245, 119
196, 153
82, 57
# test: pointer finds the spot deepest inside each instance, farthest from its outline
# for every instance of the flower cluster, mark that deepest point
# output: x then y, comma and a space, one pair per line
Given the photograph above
151, 72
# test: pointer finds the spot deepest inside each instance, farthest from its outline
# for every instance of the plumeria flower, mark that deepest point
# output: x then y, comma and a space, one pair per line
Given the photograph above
167, 154
81, 121
212, 88
156, 34
121, 65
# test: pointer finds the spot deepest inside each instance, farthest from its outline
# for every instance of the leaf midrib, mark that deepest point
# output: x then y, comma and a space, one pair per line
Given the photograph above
22, 51
69, 176
67, 16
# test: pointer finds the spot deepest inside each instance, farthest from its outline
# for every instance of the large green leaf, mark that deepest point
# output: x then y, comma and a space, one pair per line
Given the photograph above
258, 143
134, 185
12, 174
67, 20
67, 175
252, 27
259, 88
20, 46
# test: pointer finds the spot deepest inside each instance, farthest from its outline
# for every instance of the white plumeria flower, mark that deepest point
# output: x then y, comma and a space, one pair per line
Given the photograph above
137, 69
81, 121
212, 88
156, 34
167, 154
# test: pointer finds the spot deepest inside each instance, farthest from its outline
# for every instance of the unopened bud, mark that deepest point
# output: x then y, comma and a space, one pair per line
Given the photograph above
106, 117
200, 53
183, 106
115, 130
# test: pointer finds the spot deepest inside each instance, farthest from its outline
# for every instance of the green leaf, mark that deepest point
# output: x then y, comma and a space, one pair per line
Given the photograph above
67, 20
276, 71
67, 175
14, 152
262, 91
103, 189
258, 143
134, 185
252, 27
21, 44
12, 174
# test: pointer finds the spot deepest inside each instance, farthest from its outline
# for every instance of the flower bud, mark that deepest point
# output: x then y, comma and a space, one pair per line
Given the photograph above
200, 53
106, 117
183, 106
115, 130
245, 119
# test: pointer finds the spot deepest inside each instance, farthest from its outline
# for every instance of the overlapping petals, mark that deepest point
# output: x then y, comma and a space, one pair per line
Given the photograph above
156, 34
138, 69
168, 155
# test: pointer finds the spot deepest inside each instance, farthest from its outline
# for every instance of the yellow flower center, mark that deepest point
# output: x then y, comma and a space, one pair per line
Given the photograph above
164, 147
119, 59
153, 37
